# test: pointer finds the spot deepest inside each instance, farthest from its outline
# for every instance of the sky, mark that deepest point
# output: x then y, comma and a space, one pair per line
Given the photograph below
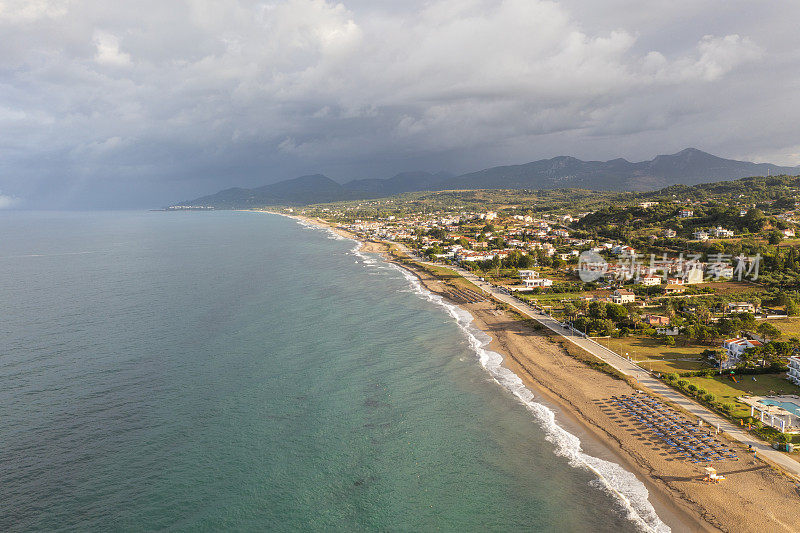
144, 104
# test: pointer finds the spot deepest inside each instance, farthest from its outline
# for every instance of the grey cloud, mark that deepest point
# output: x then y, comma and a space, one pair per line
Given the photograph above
162, 101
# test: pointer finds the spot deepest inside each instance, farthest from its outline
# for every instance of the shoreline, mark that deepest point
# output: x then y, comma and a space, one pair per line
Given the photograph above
572, 390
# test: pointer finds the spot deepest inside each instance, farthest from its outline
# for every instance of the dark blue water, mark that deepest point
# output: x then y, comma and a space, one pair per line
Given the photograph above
207, 371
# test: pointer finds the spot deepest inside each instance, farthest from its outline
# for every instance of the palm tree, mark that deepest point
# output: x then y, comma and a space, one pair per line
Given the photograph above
722, 357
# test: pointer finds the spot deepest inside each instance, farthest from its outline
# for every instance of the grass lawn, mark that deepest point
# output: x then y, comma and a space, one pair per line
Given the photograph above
450, 276
789, 326
726, 390
652, 355
550, 297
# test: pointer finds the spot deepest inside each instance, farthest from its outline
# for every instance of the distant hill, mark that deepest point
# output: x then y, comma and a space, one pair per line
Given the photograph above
687, 167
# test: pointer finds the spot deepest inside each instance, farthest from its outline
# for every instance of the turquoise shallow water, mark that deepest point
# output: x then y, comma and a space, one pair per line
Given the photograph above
207, 371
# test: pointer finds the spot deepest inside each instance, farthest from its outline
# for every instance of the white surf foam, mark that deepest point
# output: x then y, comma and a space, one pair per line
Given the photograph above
611, 477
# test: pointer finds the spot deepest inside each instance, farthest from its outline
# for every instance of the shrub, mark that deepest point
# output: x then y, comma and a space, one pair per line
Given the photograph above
700, 392
709, 398
672, 376
692, 387
682, 383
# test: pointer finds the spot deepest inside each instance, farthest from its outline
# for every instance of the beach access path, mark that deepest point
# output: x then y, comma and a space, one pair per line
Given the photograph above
631, 369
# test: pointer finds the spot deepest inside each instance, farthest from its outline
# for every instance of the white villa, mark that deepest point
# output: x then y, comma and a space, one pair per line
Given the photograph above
650, 280
794, 370
719, 231
735, 348
532, 280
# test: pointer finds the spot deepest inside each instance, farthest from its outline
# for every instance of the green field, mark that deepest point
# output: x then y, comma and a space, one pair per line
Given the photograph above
726, 390
654, 356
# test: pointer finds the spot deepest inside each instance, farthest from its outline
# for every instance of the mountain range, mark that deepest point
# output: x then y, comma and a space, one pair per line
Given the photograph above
687, 167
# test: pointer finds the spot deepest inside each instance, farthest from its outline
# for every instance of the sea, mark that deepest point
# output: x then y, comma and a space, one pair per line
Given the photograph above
214, 371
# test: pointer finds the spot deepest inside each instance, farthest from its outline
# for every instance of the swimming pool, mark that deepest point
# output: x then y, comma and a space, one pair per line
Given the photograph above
789, 406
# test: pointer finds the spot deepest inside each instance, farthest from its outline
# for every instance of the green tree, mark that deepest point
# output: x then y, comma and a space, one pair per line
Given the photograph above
616, 312
597, 310
769, 331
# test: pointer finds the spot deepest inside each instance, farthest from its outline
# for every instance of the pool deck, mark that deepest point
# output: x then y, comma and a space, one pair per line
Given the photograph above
792, 418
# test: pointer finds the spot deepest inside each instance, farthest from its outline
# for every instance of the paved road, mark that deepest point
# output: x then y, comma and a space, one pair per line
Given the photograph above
633, 370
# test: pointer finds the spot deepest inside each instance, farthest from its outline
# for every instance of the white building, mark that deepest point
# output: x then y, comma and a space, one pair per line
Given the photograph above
700, 235
721, 232
719, 270
532, 280
623, 296
537, 282
740, 307
735, 348
686, 213
650, 280
794, 370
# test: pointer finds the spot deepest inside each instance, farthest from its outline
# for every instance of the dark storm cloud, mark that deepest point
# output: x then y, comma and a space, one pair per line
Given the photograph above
145, 103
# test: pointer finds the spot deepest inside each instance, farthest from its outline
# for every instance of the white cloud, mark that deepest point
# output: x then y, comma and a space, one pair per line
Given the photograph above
7, 201
22, 11
108, 51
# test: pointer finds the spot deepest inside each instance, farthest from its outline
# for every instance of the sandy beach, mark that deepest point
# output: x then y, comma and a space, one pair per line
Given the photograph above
754, 497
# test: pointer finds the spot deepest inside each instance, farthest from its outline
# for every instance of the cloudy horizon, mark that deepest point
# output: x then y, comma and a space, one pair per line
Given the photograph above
148, 103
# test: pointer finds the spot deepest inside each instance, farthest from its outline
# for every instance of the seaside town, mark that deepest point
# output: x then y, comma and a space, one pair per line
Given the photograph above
702, 293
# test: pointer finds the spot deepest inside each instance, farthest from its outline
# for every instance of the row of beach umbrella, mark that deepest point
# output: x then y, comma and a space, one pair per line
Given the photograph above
688, 441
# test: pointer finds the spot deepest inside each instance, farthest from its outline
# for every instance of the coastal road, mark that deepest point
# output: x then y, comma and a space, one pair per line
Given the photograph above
629, 368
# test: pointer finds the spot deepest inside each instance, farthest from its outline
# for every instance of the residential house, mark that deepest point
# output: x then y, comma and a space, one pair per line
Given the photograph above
673, 288
537, 282
721, 232
788, 233
720, 270
656, 320
669, 233
623, 296
650, 280
740, 307
686, 213
735, 348
700, 235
